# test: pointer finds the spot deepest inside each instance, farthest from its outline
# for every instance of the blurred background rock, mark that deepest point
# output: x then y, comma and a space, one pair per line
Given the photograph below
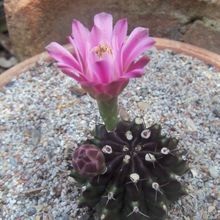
7, 59
32, 24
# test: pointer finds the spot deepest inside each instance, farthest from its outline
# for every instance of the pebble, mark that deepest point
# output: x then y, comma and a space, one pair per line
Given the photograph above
31, 211
124, 114
211, 209
38, 217
7, 63
143, 105
194, 172
190, 124
65, 217
217, 112
204, 217
36, 136
213, 172
85, 217
75, 90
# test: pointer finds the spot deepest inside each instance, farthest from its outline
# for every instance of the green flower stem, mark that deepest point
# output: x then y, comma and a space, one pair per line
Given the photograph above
109, 112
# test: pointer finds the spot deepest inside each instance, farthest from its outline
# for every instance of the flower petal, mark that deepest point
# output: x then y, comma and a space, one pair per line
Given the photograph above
106, 91
104, 22
119, 33
136, 69
78, 56
133, 74
96, 36
81, 35
61, 54
137, 43
116, 87
103, 69
141, 63
65, 68
69, 72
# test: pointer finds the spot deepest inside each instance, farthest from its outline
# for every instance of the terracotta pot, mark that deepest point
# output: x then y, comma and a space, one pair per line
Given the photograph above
202, 54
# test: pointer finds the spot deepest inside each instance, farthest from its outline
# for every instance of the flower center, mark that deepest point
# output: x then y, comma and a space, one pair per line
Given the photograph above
101, 49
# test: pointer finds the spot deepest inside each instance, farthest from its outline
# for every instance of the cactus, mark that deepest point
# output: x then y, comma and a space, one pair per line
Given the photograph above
142, 175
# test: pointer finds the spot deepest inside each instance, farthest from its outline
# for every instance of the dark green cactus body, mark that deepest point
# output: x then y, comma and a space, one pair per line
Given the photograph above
142, 173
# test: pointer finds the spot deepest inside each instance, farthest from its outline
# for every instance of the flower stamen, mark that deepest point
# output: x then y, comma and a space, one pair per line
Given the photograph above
102, 49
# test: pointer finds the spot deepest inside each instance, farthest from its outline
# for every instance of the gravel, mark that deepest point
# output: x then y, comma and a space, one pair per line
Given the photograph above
43, 114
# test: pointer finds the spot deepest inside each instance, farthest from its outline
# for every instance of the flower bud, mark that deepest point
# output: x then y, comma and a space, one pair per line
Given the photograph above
88, 160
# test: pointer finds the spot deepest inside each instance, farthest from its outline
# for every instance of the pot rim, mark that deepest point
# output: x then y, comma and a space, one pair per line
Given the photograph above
161, 44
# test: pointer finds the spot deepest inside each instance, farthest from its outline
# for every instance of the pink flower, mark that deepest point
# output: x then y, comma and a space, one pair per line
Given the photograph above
105, 58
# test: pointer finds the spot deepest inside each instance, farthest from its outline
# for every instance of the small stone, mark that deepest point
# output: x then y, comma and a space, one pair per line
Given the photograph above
216, 112
143, 105
124, 114
216, 99
139, 121
84, 188
200, 184
33, 192
205, 216
35, 136
211, 208
31, 211
57, 191
10, 84
194, 172
191, 125
65, 217
213, 172
13, 162
47, 217
84, 217
79, 92
210, 199
38, 217
7, 63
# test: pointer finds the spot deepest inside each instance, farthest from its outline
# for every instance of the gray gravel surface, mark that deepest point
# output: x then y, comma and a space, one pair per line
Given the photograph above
43, 114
